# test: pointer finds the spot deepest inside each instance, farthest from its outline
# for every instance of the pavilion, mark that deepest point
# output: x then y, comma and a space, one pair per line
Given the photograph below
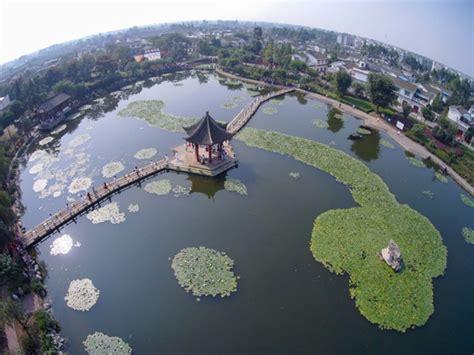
209, 133
213, 139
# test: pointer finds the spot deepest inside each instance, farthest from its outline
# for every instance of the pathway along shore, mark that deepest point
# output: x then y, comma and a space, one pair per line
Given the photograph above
374, 122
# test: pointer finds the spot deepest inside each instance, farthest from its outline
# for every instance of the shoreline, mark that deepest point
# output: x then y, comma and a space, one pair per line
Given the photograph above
373, 122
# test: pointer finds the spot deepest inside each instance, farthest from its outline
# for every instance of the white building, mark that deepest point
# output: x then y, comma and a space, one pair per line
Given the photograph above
4, 102
461, 117
152, 54
360, 75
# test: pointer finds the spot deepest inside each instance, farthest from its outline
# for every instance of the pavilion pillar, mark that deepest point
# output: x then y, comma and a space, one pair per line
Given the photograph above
196, 150
210, 153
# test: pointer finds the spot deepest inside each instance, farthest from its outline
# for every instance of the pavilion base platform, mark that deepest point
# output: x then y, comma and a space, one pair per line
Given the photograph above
185, 160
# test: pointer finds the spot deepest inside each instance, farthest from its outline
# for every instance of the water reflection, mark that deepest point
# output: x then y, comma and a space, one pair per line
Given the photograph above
335, 123
206, 185
368, 147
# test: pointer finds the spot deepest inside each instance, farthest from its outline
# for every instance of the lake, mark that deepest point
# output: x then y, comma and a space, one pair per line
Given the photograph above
286, 302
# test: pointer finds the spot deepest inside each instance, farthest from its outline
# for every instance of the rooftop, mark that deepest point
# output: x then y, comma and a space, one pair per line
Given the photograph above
207, 131
53, 102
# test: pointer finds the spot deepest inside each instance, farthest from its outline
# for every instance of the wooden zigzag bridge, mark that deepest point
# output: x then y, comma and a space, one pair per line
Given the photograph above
181, 163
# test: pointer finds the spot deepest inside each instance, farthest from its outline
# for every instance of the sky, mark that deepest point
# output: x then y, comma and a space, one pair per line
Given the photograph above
442, 30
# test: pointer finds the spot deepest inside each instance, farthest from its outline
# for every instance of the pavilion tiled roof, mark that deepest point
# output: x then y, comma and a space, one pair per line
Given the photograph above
207, 131
53, 102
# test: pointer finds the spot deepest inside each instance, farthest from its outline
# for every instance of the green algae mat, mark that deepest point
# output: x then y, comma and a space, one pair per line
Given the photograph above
349, 240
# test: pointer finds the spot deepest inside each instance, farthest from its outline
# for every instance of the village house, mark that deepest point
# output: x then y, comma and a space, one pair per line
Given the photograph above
318, 61
360, 74
4, 102
53, 111
462, 118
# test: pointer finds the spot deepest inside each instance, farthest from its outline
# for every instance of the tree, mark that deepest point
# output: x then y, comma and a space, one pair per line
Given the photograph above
381, 90
406, 110
445, 131
10, 272
11, 312
427, 114
258, 33
418, 130
359, 89
297, 66
343, 82
437, 104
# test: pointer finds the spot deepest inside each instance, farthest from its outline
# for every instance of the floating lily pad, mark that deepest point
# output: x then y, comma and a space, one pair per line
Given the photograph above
204, 272
179, 190
269, 110
35, 169
235, 185
101, 344
229, 105
160, 187
82, 295
416, 162
387, 144
79, 140
363, 131
146, 153
112, 169
468, 234
133, 208
59, 129
428, 193
46, 140
80, 184
40, 185
63, 245
109, 212
467, 200
320, 123
440, 177
295, 175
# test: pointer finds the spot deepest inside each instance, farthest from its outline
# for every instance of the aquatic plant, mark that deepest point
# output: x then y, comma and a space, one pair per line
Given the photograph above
235, 185
416, 162
62, 245
440, 177
428, 193
468, 234
80, 184
112, 169
159, 187
38, 154
59, 129
269, 110
133, 208
348, 240
387, 144
79, 140
110, 212
179, 190
35, 169
151, 111
46, 140
229, 105
145, 153
363, 131
238, 98
204, 272
319, 105
295, 175
40, 185
467, 200
101, 344
81, 295
320, 123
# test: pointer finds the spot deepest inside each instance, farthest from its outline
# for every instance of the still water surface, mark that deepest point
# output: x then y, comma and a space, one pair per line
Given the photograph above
286, 302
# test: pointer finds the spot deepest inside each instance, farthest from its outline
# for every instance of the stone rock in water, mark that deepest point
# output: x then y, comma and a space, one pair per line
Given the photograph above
392, 256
